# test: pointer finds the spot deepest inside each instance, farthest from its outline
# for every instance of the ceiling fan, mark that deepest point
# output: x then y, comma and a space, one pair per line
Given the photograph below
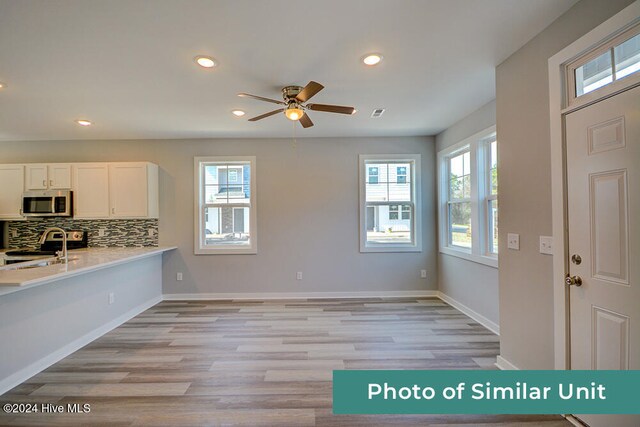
294, 99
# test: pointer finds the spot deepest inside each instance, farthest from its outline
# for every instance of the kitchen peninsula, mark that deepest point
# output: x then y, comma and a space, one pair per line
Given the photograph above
48, 312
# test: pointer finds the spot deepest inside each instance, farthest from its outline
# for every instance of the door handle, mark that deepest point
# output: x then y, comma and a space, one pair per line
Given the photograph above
573, 280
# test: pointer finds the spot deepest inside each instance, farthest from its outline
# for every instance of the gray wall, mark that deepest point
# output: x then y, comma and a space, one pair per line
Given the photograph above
522, 112
307, 195
472, 284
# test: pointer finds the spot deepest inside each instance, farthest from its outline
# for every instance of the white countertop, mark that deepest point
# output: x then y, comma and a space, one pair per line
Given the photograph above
80, 261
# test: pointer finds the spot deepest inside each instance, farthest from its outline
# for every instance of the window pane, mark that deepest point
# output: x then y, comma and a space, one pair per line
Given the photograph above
594, 74
493, 226
384, 224
627, 57
459, 176
460, 224
226, 226
399, 192
211, 174
376, 193
493, 171
215, 194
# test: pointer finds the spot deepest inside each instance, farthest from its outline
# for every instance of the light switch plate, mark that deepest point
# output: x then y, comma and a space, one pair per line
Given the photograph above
513, 241
546, 245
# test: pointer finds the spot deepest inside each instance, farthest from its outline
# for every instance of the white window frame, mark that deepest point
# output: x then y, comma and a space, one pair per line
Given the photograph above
486, 192
608, 89
480, 189
416, 200
199, 218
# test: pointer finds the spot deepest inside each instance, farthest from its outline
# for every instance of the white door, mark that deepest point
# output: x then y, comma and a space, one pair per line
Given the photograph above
36, 177
91, 190
128, 190
11, 188
59, 176
603, 183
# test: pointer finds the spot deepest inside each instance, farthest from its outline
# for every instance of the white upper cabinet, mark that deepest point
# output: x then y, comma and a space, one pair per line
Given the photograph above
11, 187
133, 190
52, 176
91, 190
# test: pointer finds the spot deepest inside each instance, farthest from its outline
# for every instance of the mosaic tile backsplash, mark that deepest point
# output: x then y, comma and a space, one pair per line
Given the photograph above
117, 232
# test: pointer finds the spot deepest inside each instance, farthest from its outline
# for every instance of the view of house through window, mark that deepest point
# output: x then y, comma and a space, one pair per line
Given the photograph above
389, 195
615, 63
226, 204
492, 195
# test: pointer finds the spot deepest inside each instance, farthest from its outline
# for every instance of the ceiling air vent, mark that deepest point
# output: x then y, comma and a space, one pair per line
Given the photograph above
377, 112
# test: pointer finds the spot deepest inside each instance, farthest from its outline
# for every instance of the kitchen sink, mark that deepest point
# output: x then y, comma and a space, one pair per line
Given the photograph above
36, 263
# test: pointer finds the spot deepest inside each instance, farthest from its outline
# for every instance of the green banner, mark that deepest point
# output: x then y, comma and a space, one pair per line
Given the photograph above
486, 392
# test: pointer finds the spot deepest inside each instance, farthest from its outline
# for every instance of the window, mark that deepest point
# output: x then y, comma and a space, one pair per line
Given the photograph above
225, 214
390, 203
401, 174
608, 64
373, 174
468, 198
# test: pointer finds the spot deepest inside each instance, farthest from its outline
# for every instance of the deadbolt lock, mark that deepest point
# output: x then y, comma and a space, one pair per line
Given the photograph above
576, 259
573, 280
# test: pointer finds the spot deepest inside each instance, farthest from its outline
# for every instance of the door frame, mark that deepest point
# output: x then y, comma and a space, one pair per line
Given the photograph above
558, 103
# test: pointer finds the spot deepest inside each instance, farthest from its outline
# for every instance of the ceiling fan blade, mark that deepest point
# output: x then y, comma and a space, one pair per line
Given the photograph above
305, 121
309, 90
265, 115
331, 108
261, 98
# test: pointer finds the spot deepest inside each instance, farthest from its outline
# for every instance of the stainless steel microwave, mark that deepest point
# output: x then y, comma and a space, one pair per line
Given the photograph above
47, 203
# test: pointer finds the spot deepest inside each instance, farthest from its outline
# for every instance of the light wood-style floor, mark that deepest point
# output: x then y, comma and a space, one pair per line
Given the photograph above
259, 363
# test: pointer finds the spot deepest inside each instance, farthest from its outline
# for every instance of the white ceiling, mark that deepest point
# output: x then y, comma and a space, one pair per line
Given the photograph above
128, 65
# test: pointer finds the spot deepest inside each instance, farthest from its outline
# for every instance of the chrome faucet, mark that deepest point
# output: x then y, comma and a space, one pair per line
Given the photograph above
62, 255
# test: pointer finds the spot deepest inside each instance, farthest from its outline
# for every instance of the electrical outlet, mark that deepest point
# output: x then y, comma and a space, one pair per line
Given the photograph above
152, 232
423, 274
513, 241
14, 233
112, 297
179, 276
101, 232
546, 245
299, 275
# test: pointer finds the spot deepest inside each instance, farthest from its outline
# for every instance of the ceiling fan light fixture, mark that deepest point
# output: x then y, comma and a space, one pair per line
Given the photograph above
205, 61
84, 122
372, 59
294, 113
238, 113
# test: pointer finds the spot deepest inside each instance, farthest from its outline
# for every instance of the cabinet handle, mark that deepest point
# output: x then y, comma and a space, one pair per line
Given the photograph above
51, 182
44, 182
113, 210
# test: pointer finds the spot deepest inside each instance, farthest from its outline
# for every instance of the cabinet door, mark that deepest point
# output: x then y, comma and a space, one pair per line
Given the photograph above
36, 177
12, 179
128, 190
59, 176
91, 190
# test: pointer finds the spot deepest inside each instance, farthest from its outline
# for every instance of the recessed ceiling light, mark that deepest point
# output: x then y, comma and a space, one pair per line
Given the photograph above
2, 85
238, 113
372, 59
206, 61
83, 122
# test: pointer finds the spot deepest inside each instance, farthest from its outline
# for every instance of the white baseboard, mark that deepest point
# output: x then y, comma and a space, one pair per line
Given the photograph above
504, 365
490, 325
299, 295
27, 372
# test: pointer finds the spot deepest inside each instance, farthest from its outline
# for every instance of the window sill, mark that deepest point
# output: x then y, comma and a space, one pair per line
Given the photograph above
225, 251
390, 249
479, 259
